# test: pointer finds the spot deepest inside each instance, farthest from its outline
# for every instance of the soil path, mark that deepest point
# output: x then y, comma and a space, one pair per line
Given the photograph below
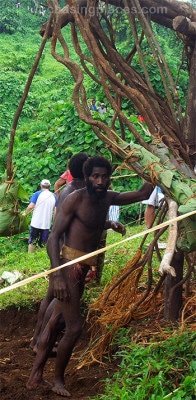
16, 360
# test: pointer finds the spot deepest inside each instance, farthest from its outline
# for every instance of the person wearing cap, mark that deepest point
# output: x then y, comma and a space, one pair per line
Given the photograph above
43, 204
102, 109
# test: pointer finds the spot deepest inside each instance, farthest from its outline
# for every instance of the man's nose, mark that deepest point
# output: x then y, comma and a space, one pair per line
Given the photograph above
100, 180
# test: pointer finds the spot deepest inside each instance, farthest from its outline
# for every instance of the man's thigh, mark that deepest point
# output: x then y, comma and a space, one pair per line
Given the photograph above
74, 276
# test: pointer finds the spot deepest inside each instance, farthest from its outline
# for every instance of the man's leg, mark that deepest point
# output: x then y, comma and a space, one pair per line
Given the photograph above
47, 340
31, 248
71, 312
149, 215
33, 237
40, 316
44, 234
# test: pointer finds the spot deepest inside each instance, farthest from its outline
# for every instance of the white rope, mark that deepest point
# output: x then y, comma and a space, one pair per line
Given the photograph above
93, 253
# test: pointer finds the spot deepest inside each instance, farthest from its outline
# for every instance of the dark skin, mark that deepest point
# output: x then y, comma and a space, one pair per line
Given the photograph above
70, 187
82, 218
118, 227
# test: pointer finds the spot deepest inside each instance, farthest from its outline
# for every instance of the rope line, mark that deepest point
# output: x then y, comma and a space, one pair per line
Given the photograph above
93, 253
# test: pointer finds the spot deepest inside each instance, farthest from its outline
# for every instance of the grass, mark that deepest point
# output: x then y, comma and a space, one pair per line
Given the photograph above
158, 371
153, 370
14, 256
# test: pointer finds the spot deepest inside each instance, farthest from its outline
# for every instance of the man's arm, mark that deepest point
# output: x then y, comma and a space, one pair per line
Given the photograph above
61, 223
29, 209
132, 197
115, 226
58, 184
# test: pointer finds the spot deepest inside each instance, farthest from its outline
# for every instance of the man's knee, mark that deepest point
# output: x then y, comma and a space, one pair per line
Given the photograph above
74, 330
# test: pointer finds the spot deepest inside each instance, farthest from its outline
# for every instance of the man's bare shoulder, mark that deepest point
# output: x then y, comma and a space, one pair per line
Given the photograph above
64, 192
75, 195
69, 188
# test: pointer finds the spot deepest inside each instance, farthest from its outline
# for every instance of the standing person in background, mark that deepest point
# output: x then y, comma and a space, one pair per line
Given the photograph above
93, 106
75, 179
43, 204
102, 109
153, 201
65, 178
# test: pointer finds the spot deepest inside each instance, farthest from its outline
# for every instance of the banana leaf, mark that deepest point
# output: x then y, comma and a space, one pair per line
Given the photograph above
180, 187
12, 221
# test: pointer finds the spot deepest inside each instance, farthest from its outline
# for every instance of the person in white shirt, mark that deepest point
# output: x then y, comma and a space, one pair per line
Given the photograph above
102, 109
43, 203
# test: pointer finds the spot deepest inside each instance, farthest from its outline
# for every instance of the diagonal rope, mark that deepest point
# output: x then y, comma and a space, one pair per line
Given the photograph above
93, 253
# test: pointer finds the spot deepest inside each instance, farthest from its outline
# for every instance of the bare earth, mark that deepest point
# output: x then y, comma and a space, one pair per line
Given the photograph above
16, 360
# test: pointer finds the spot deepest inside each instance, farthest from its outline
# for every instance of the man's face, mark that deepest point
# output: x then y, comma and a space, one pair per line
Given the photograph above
98, 182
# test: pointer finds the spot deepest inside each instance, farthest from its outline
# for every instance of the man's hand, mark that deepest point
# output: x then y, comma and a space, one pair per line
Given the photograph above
118, 227
60, 289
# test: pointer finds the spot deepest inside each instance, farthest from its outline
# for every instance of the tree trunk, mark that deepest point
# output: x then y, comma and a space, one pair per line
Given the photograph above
173, 296
190, 126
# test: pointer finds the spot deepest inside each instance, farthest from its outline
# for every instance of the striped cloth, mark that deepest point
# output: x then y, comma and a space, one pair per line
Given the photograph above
114, 212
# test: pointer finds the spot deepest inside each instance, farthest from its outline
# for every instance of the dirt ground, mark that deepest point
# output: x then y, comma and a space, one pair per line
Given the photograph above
16, 360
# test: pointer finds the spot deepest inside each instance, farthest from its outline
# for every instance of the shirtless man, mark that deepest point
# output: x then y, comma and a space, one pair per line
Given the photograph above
75, 166
82, 217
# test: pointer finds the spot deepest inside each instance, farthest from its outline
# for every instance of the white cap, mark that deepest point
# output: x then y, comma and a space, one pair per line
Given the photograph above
45, 182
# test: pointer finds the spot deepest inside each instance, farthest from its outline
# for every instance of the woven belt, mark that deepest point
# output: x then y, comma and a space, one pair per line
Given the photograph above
71, 254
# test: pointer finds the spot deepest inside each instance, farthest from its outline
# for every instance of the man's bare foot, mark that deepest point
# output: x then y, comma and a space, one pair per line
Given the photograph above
33, 345
35, 349
41, 384
59, 388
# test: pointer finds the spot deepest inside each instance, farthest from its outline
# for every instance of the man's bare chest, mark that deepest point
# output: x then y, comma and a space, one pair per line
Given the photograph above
94, 215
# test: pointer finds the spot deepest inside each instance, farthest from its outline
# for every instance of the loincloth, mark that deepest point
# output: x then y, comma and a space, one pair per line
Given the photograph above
70, 254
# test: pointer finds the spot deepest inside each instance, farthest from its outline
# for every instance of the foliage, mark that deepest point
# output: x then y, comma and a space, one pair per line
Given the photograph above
55, 134
13, 251
18, 17
155, 371
9, 17
49, 129
49, 133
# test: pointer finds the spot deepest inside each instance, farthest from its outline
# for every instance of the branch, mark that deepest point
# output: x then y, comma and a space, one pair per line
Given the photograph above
184, 25
164, 11
165, 266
